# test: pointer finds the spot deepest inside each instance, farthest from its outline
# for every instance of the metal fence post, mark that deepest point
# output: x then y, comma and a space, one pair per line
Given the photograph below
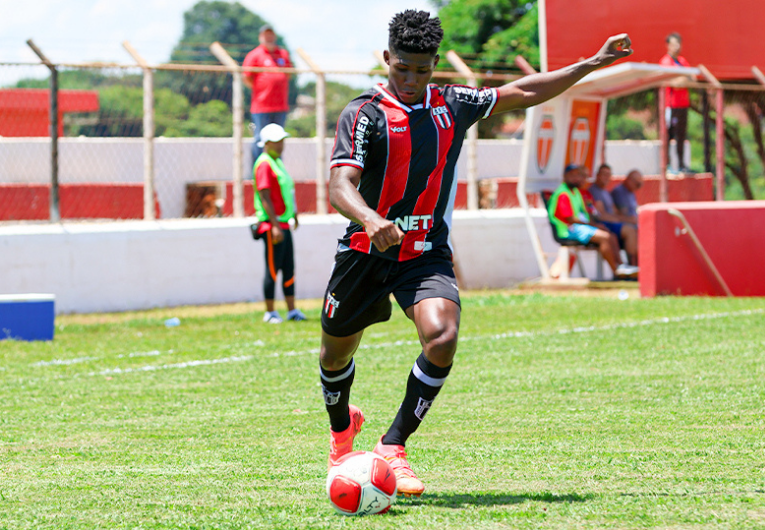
321, 132
149, 210
237, 106
55, 208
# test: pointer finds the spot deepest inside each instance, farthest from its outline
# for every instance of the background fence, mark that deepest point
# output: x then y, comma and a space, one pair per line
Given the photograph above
111, 160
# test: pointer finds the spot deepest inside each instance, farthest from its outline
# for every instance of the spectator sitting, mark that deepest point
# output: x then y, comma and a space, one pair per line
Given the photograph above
624, 196
571, 221
605, 213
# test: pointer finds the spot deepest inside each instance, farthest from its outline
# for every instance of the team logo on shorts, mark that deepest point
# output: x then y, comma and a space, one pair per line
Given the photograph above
423, 406
330, 306
442, 117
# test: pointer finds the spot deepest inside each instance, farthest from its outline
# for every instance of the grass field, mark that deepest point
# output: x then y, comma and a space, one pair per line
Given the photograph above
561, 412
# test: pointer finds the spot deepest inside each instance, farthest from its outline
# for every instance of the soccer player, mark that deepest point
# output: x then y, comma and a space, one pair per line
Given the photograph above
392, 174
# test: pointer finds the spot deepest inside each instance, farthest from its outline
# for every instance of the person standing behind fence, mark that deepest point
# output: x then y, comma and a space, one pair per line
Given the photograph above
677, 101
269, 89
274, 207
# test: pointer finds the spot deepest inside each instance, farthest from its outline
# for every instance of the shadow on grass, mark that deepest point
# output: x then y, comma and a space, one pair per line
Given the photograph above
460, 500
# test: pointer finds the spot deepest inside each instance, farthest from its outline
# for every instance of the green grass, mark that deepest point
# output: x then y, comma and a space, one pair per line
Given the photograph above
561, 412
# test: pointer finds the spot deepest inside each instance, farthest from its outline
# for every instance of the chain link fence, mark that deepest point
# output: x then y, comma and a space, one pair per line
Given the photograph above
102, 146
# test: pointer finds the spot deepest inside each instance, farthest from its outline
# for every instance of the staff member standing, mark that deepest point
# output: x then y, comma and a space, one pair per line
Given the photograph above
677, 101
269, 89
274, 207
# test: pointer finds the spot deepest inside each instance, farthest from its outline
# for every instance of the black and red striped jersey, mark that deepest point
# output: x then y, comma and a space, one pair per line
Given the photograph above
408, 154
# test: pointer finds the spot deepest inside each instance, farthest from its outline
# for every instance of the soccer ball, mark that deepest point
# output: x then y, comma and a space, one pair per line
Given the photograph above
361, 483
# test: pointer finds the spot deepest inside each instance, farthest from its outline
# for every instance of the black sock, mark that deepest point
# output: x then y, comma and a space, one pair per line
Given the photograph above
336, 386
425, 381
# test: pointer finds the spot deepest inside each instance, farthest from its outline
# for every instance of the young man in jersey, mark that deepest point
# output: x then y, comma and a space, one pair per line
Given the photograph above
392, 174
274, 207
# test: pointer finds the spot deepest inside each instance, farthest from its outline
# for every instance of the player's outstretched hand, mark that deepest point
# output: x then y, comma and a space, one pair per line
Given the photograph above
615, 48
383, 233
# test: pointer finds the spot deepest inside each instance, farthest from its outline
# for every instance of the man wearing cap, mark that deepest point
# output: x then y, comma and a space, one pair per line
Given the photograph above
569, 216
269, 89
274, 207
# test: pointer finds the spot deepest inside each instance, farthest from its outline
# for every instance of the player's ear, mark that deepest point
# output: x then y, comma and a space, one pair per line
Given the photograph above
386, 56
435, 60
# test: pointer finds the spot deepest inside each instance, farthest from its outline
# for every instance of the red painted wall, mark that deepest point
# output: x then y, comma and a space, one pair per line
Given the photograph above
25, 111
730, 232
305, 195
31, 202
698, 188
724, 36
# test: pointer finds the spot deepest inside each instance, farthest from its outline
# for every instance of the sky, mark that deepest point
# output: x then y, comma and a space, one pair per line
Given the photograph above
76, 31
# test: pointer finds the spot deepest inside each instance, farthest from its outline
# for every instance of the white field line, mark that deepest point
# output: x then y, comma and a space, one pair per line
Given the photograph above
500, 336
58, 362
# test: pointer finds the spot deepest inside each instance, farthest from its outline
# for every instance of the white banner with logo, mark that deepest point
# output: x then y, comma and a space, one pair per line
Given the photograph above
544, 144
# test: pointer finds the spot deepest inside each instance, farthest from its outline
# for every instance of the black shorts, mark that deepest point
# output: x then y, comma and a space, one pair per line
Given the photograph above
358, 294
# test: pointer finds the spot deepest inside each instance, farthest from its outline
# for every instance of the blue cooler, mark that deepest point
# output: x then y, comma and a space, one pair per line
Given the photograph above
27, 316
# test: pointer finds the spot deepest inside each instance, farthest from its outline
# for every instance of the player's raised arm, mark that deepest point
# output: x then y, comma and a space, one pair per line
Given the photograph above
537, 88
344, 197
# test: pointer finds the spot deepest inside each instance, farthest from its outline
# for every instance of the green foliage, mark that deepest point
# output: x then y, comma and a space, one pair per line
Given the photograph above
211, 119
338, 96
620, 127
491, 33
561, 412
229, 23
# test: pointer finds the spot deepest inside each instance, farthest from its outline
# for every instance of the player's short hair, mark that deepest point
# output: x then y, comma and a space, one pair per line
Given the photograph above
674, 35
415, 32
603, 166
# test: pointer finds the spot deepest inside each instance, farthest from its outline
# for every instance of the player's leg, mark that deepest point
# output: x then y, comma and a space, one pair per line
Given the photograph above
287, 266
269, 280
356, 297
629, 237
681, 132
428, 291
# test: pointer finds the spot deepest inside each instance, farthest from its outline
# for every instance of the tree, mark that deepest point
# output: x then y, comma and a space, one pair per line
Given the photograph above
488, 34
231, 24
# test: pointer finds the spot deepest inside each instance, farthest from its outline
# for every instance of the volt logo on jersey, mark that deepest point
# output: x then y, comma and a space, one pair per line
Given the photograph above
398, 129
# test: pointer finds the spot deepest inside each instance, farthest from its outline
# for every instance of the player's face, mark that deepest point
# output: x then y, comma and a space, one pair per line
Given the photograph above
603, 177
673, 47
409, 74
575, 178
275, 149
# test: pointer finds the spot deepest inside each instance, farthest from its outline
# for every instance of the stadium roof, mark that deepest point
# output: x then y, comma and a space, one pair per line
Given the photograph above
627, 78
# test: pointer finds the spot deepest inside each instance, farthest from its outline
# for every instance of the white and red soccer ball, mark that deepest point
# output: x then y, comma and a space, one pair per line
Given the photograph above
361, 483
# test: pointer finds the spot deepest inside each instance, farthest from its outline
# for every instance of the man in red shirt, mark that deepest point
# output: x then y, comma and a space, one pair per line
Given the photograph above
677, 100
269, 89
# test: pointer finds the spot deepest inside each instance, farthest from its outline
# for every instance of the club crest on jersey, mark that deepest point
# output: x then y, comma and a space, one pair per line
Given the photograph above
442, 117
330, 306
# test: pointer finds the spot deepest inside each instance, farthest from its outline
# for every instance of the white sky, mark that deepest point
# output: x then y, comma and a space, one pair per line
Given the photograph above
338, 34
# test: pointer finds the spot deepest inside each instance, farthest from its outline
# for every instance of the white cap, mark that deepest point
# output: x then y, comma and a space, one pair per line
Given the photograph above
273, 132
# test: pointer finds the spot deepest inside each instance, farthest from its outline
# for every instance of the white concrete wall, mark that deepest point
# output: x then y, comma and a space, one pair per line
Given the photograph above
121, 266
179, 161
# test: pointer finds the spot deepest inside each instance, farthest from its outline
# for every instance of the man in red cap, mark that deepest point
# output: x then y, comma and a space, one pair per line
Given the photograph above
269, 89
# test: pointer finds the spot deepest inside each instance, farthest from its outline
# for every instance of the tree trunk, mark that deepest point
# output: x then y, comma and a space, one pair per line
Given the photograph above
740, 171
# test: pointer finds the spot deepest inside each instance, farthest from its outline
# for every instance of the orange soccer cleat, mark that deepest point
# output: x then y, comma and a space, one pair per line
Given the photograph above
341, 443
406, 481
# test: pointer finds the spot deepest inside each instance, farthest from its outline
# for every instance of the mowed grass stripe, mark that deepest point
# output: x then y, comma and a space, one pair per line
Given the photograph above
615, 425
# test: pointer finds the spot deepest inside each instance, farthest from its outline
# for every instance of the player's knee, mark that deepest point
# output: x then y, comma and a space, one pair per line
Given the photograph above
442, 339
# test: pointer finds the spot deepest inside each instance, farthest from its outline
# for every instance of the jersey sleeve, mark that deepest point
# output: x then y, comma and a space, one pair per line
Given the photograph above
264, 175
251, 61
354, 129
563, 210
470, 104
